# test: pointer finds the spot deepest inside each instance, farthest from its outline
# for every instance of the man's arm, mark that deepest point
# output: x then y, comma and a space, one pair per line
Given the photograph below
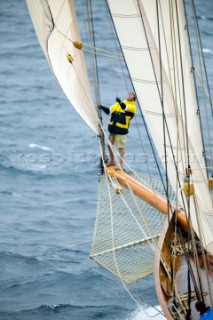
106, 110
122, 104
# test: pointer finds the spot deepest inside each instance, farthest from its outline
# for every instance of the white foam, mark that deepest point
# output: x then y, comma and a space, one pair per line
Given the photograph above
33, 145
147, 314
206, 50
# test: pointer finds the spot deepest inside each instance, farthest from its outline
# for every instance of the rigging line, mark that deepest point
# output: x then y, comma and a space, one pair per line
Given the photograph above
93, 59
201, 45
202, 240
189, 263
195, 83
151, 144
202, 136
96, 74
145, 125
86, 95
117, 45
183, 82
84, 20
176, 86
197, 265
124, 77
115, 259
162, 99
187, 142
117, 49
200, 54
135, 199
94, 49
190, 236
156, 83
109, 24
200, 294
206, 112
161, 93
203, 86
143, 149
164, 139
176, 89
141, 15
100, 54
139, 210
114, 252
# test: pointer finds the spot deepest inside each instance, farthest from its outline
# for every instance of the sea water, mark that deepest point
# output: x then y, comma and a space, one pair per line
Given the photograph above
49, 181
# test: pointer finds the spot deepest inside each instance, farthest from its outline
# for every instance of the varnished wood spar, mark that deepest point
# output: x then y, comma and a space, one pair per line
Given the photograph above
148, 195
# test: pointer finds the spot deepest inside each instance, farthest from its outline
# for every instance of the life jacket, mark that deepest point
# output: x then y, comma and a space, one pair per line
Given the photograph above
120, 119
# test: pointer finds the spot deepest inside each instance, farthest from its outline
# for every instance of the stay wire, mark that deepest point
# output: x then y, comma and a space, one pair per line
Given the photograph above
195, 82
202, 136
145, 125
188, 158
162, 107
95, 73
141, 15
200, 52
164, 134
201, 45
159, 95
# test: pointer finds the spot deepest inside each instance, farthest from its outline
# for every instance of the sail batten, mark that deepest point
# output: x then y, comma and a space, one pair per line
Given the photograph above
56, 27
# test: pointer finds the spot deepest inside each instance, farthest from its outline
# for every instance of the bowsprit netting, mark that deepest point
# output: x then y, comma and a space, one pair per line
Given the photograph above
126, 230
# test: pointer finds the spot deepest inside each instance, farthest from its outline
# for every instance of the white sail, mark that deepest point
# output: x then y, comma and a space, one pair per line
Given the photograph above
56, 27
145, 38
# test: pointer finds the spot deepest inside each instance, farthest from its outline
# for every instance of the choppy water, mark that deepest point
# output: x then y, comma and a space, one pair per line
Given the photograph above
47, 207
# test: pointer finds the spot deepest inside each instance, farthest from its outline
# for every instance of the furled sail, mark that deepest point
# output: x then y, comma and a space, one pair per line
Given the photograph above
153, 37
56, 27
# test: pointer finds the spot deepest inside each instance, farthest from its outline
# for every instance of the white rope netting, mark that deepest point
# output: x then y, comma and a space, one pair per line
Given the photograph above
126, 230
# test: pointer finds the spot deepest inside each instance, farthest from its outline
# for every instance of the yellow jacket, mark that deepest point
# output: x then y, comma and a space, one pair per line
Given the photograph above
120, 118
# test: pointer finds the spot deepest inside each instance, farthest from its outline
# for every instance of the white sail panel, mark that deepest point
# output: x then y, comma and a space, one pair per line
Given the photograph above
56, 27
163, 36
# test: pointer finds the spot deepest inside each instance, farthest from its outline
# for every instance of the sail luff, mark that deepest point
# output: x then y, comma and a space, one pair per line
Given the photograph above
56, 27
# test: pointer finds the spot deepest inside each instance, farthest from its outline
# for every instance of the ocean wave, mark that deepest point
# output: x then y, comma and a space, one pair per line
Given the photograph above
7, 255
207, 51
204, 18
146, 314
66, 311
22, 168
37, 146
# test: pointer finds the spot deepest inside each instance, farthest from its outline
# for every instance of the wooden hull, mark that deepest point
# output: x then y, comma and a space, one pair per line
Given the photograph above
165, 282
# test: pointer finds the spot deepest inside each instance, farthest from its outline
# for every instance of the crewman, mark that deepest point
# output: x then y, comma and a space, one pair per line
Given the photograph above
121, 115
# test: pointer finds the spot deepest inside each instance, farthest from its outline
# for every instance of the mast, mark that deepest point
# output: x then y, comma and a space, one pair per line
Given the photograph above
91, 36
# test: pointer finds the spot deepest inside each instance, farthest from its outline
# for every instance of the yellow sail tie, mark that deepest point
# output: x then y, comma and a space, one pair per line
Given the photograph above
78, 45
70, 58
188, 189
